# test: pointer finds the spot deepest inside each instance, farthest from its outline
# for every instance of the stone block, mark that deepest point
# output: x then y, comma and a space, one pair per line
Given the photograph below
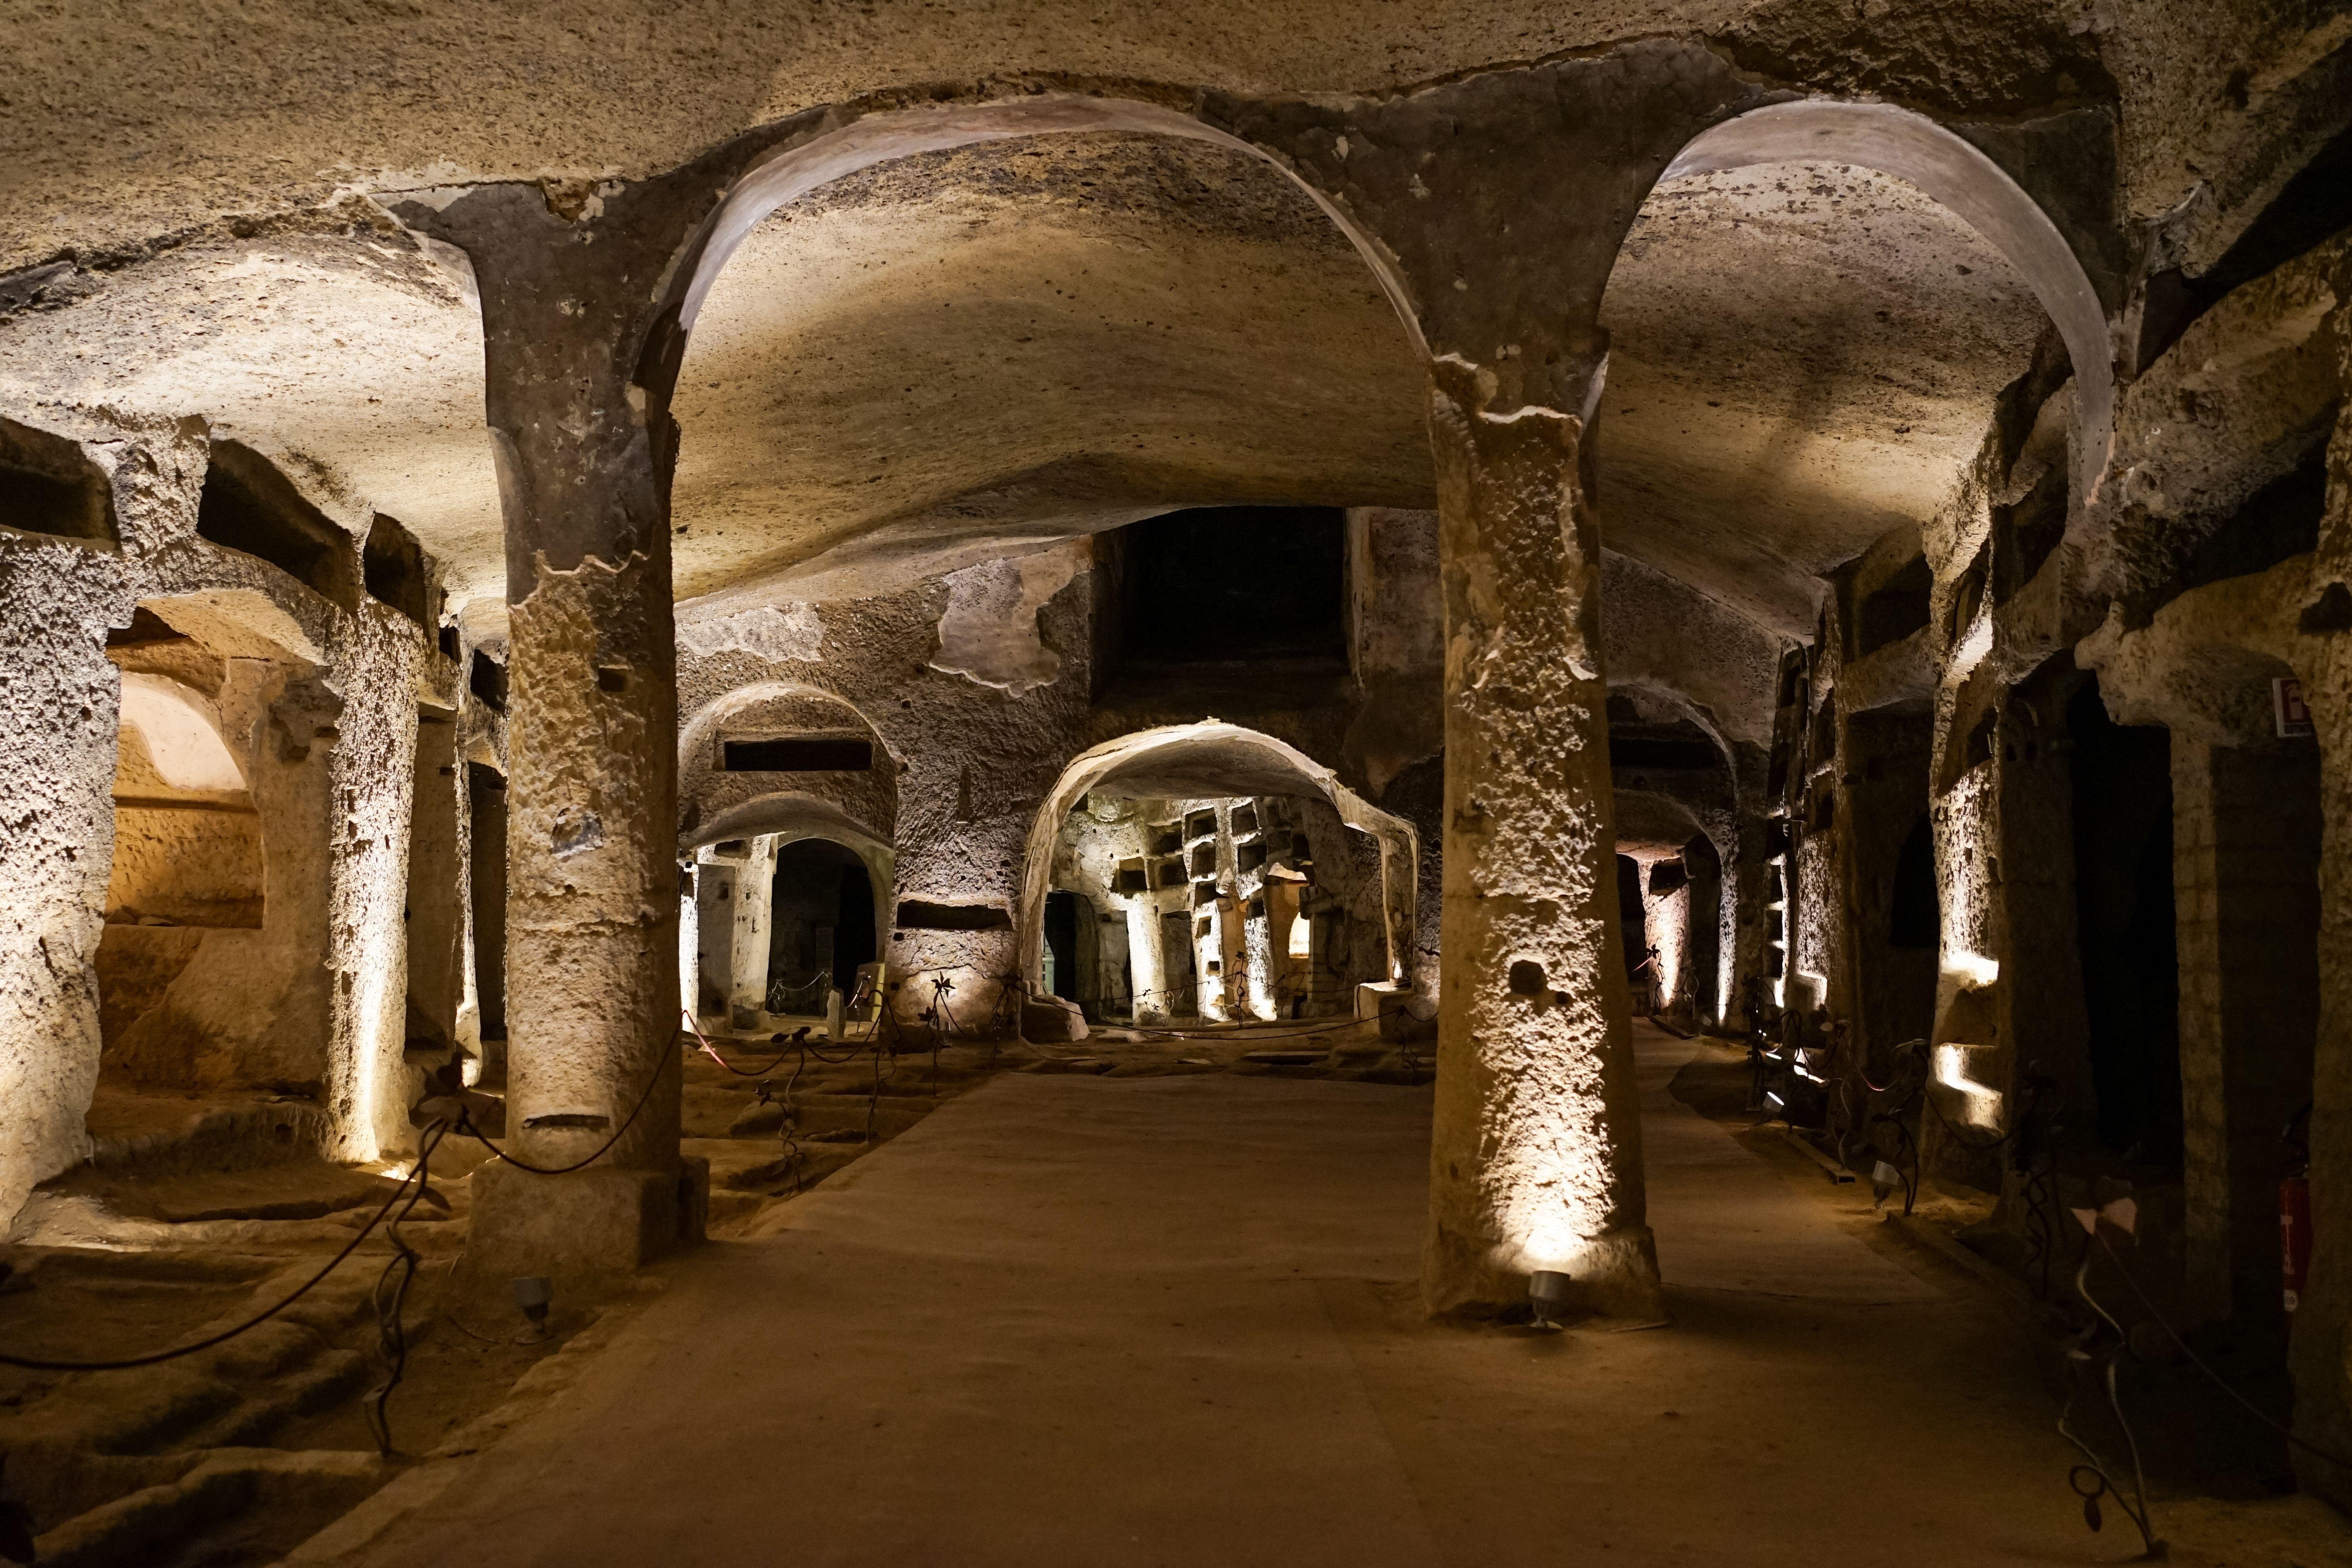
1052, 1020
590, 1231
1403, 1014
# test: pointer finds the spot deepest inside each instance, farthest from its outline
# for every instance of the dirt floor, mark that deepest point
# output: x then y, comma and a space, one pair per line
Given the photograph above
201, 1211
1073, 1318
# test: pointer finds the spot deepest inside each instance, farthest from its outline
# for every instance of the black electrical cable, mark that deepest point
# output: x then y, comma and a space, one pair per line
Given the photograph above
711, 1051
392, 1333
2139, 1514
34, 1363
788, 1130
1252, 1037
874, 1096
466, 1125
2198, 1363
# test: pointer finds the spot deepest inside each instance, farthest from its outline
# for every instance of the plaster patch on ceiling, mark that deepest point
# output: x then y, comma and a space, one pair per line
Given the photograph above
776, 633
989, 634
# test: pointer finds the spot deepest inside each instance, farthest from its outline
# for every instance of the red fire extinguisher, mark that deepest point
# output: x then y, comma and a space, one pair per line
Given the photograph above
2295, 1235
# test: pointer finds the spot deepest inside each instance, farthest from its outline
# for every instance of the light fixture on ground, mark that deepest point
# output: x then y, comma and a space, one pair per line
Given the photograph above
1548, 1294
533, 1295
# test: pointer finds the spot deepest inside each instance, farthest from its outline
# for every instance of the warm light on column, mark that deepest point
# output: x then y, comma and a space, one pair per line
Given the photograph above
1980, 1105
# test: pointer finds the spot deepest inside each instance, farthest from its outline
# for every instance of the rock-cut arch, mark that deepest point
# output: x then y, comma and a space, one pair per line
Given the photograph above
790, 816
1211, 759
708, 793
793, 172
1954, 174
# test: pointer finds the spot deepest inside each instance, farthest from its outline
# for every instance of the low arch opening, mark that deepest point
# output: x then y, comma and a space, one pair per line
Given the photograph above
1212, 873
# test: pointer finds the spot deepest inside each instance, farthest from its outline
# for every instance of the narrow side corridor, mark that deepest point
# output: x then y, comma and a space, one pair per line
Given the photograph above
1173, 1322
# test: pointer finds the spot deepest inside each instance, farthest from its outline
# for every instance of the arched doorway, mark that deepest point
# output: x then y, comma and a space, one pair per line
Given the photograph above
821, 927
1219, 873
782, 899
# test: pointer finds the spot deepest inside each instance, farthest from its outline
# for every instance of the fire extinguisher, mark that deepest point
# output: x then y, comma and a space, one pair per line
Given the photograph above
2294, 1211
2295, 1235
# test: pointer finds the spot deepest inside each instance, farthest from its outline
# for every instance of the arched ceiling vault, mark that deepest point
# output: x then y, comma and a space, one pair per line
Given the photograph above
1803, 357
941, 355
946, 357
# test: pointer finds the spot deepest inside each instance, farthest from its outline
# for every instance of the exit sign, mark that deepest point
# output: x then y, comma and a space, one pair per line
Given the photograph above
2287, 707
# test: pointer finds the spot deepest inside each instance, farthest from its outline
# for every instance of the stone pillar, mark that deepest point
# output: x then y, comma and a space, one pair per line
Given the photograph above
366, 802
1746, 890
714, 897
754, 928
1147, 961
59, 699
2245, 845
436, 900
592, 912
2318, 1344
578, 374
1536, 1162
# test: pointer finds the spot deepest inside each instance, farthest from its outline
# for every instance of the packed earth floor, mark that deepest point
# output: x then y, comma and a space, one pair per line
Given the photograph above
1081, 1317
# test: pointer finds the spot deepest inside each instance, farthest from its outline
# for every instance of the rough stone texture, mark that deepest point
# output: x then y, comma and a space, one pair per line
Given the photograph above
1536, 1160
1340, 880
300, 1002
591, 882
1180, 762
1818, 375
353, 359
291, 108
1752, 442
438, 887
58, 697
1060, 273
2246, 850
1092, 324
990, 632
714, 802
1662, 633
2244, 395
2322, 1373
960, 766
1398, 644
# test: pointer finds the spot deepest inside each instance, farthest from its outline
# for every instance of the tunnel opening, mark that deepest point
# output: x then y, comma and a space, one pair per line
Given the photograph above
821, 927
1914, 914
2125, 927
393, 569
1062, 943
1268, 907
1896, 609
486, 803
1224, 584
1632, 921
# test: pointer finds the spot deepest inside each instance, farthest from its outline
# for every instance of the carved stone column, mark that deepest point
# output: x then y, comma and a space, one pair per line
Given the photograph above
2319, 1348
584, 449
1537, 1157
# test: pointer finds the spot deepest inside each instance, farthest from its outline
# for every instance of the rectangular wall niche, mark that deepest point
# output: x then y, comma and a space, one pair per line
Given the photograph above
392, 565
916, 914
1221, 585
49, 488
1656, 755
798, 754
486, 677
248, 506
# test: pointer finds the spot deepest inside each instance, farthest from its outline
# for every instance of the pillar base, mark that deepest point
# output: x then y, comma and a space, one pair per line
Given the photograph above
589, 1231
1613, 1276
